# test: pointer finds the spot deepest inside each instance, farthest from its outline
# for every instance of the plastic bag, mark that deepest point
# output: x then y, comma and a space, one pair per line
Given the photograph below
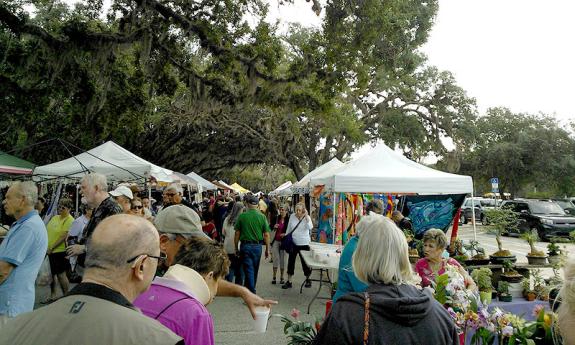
45, 274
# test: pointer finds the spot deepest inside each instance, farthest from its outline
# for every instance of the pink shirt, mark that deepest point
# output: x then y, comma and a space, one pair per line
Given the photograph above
188, 317
426, 273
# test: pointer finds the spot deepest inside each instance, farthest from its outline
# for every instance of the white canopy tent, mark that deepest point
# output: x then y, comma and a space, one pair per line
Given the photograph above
110, 159
282, 190
383, 170
206, 185
302, 186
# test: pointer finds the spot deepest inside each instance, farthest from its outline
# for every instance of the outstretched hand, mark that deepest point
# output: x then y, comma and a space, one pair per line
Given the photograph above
252, 301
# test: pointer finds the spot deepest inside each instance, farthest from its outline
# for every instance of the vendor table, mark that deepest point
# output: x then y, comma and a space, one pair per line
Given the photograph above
323, 268
520, 307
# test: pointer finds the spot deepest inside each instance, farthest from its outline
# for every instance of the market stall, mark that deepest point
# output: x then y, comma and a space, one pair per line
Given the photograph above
381, 173
13, 165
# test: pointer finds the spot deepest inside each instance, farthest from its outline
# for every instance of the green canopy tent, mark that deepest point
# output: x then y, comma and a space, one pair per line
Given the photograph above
14, 166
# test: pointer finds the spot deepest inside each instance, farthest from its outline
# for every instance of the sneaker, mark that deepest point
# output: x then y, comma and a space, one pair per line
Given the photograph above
282, 281
274, 281
307, 283
287, 285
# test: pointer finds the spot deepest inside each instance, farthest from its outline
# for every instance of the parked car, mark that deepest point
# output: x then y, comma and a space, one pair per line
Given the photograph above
567, 205
544, 216
480, 205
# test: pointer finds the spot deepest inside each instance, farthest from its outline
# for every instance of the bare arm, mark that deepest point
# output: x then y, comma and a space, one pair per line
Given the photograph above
5, 270
228, 289
236, 240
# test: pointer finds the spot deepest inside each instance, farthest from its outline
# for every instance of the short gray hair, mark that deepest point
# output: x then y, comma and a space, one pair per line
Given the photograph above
436, 236
28, 190
381, 255
175, 187
96, 180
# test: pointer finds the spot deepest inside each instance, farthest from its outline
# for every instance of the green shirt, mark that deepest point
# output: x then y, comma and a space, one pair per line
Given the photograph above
252, 224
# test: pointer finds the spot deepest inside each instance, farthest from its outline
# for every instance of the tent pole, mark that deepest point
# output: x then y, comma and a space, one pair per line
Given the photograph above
473, 215
334, 224
77, 187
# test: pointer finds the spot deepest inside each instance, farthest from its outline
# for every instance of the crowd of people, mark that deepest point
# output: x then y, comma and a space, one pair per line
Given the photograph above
147, 273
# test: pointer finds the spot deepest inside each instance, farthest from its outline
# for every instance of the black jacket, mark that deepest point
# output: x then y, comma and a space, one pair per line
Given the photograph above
399, 314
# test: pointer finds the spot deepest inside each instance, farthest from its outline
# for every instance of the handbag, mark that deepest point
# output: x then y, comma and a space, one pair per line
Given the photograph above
287, 243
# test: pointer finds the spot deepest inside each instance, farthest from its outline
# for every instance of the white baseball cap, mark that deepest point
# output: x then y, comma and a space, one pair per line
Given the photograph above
122, 190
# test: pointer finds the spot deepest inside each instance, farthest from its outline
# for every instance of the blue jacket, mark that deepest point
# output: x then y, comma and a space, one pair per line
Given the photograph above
347, 281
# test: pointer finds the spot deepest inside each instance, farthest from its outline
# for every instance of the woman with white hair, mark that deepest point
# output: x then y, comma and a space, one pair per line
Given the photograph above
392, 310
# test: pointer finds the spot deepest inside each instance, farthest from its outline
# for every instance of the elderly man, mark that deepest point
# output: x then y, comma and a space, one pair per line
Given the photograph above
119, 267
252, 229
123, 196
94, 188
22, 252
178, 223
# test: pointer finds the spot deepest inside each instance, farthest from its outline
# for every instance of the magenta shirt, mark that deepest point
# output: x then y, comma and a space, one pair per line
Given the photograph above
188, 318
424, 270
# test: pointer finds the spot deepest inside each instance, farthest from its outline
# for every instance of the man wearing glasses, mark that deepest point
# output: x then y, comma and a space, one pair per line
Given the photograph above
119, 267
176, 224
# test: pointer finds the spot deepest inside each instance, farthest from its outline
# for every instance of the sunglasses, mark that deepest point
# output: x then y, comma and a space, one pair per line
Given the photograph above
137, 207
170, 194
162, 258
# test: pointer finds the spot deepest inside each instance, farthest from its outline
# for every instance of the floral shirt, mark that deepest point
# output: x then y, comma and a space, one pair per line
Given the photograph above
427, 275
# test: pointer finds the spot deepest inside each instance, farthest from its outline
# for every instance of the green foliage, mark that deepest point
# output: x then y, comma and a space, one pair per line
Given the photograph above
503, 287
482, 277
553, 248
298, 332
501, 221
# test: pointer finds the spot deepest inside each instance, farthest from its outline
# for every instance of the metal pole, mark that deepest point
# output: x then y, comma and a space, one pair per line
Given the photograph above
473, 215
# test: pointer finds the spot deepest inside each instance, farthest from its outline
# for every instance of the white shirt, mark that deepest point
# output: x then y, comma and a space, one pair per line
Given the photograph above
229, 233
78, 226
301, 235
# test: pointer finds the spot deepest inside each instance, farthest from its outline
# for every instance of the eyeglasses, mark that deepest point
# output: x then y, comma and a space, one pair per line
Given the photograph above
137, 207
162, 258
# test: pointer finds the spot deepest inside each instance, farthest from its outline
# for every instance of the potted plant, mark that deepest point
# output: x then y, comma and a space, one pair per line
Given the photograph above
539, 286
535, 257
503, 292
509, 274
553, 252
415, 252
501, 221
527, 292
477, 254
458, 253
482, 277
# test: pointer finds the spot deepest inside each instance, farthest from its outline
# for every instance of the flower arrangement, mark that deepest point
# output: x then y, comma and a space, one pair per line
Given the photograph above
299, 332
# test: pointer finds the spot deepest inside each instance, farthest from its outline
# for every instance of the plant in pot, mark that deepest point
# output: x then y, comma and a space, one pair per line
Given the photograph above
509, 274
415, 253
501, 220
458, 252
528, 293
412, 242
503, 292
539, 286
534, 257
482, 277
553, 252
477, 254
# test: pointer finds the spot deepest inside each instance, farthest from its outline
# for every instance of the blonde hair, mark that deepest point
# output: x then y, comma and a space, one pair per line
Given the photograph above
436, 236
566, 312
381, 255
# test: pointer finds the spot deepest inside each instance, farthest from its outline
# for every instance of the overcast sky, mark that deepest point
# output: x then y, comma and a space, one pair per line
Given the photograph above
514, 53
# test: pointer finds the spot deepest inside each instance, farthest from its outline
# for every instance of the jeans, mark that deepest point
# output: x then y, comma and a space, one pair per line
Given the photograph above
291, 261
235, 270
250, 255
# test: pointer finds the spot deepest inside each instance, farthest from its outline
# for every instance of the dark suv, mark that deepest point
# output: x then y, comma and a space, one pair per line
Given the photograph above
544, 216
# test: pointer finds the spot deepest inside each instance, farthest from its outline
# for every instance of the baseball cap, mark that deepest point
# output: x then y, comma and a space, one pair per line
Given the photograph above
179, 219
252, 199
122, 190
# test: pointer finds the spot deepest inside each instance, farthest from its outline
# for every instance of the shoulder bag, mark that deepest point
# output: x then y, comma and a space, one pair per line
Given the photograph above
287, 243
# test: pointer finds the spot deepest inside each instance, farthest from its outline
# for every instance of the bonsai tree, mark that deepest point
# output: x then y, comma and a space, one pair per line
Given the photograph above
531, 238
539, 286
473, 247
501, 220
552, 248
503, 291
528, 293
509, 272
